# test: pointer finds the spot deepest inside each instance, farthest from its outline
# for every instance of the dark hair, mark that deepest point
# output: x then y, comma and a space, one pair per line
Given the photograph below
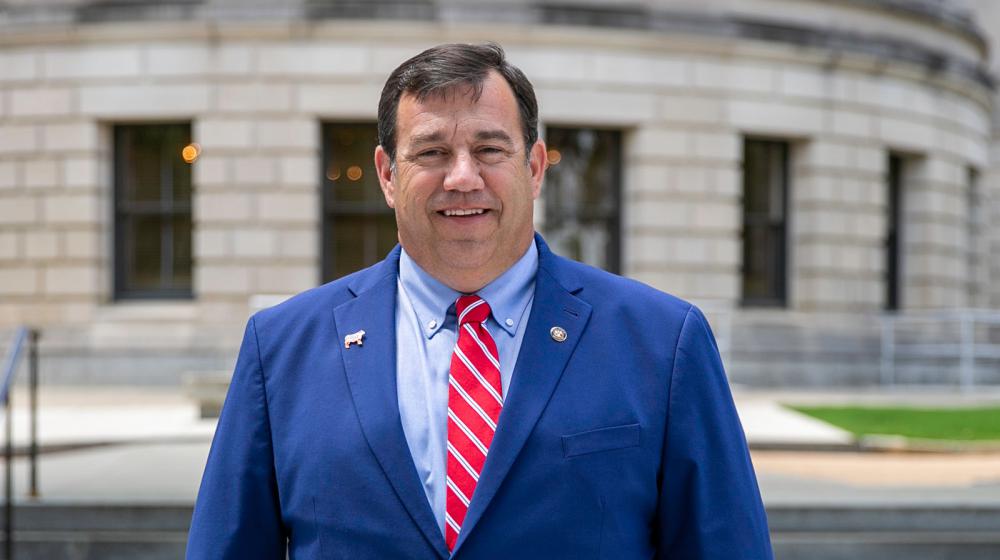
443, 68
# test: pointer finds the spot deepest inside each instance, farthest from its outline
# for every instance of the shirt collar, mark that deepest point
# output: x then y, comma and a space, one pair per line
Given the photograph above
434, 303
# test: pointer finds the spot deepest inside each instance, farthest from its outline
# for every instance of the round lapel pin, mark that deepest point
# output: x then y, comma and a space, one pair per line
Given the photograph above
558, 334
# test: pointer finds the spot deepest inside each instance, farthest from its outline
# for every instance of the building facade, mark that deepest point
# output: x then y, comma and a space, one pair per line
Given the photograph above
805, 171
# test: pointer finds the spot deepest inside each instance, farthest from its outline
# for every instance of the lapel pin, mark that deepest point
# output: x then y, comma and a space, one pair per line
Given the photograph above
558, 334
354, 338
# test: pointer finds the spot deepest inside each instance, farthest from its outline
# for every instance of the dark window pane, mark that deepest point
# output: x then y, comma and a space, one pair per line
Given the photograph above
143, 165
976, 235
387, 236
582, 194
146, 253
152, 211
182, 251
348, 245
894, 194
359, 241
358, 228
765, 198
180, 175
350, 169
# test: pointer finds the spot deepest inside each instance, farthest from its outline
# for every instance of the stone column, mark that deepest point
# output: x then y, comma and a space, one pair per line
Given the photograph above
838, 226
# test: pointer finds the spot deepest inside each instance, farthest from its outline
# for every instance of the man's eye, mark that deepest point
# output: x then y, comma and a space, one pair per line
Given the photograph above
492, 153
430, 154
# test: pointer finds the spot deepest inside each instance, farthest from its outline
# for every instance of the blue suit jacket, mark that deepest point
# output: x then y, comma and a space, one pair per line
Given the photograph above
620, 442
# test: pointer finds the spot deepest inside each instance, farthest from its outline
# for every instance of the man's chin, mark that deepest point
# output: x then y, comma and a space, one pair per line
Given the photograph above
467, 253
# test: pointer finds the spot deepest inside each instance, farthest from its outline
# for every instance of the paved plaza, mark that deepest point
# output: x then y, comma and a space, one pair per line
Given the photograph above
120, 470
118, 445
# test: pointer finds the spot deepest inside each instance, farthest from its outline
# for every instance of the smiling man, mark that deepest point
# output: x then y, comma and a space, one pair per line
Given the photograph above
462, 177
474, 395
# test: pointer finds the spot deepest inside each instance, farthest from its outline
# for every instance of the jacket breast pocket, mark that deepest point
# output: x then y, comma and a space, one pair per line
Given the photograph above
601, 439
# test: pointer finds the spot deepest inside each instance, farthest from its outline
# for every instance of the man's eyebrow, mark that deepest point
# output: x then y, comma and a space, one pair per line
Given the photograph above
494, 135
426, 138
437, 136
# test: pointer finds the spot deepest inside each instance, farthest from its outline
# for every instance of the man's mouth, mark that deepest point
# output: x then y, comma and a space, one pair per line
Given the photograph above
464, 212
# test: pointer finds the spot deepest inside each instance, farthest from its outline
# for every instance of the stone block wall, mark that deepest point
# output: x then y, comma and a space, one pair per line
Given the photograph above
256, 94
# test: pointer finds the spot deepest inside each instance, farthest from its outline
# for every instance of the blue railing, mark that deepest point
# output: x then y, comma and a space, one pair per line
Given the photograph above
22, 336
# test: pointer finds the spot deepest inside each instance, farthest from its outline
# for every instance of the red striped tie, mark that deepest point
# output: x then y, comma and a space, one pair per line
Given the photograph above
474, 403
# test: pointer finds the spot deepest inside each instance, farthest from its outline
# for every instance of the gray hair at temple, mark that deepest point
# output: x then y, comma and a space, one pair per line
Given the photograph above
441, 69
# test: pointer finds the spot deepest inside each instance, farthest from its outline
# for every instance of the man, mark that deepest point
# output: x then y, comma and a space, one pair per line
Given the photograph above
474, 395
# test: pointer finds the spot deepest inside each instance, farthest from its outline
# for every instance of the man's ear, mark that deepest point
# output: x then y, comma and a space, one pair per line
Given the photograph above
538, 161
383, 166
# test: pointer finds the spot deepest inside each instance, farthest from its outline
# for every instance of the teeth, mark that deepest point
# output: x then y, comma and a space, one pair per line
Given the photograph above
468, 212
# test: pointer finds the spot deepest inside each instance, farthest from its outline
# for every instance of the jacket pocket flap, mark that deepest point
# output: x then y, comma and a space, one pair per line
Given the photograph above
601, 439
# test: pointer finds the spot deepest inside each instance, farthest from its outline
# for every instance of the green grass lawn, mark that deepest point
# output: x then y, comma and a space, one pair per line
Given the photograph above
921, 423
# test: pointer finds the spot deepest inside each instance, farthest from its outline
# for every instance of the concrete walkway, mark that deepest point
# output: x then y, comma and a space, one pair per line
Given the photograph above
135, 445
130, 461
768, 425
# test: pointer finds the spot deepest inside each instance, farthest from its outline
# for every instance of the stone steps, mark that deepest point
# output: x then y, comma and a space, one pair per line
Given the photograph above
884, 532
52, 531
800, 532
886, 546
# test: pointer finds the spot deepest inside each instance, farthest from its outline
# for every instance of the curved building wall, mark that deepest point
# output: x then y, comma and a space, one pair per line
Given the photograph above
840, 86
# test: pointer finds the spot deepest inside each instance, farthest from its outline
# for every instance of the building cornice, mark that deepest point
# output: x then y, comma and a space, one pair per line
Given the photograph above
34, 24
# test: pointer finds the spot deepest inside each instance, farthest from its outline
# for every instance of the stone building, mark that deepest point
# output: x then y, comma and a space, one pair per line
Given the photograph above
804, 170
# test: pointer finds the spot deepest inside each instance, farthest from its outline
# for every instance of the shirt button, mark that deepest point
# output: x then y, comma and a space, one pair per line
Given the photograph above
432, 324
509, 322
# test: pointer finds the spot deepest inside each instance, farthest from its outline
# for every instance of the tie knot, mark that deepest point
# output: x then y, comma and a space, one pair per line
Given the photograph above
471, 309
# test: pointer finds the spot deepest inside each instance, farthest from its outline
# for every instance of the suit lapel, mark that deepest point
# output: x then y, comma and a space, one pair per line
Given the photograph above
540, 364
371, 376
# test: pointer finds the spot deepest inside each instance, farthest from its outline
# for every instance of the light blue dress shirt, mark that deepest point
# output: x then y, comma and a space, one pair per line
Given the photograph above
426, 332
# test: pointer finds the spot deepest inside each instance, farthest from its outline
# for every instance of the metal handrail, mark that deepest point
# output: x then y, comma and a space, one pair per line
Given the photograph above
22, 335
11, 363
965, 349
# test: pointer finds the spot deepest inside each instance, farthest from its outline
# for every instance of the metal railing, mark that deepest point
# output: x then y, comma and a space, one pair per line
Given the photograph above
963, 340
22, 336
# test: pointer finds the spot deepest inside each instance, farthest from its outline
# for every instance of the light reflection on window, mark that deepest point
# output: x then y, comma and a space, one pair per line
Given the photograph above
582, 195
358, 228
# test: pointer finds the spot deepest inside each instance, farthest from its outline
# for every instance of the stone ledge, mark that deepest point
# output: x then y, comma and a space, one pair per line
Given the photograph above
208, 389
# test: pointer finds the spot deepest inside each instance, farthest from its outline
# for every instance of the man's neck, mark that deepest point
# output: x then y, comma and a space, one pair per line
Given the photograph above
470, 283
465, 280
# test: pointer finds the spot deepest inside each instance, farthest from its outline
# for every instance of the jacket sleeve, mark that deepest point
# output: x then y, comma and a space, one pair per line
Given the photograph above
237, 514
709, 505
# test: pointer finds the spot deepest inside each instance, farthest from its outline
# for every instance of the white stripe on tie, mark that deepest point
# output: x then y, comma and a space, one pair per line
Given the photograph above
475, 406
451, 523
482, 346
470, 308
468, 433
458, 493
489, 388
461, 461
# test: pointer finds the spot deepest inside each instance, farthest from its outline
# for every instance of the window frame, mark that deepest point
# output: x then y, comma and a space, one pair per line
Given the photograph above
123, 211
778, 279
894, 185
329, 211
977, 225
614, 221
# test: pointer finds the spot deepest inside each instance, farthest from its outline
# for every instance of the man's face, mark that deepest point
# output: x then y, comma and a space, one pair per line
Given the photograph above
463, 186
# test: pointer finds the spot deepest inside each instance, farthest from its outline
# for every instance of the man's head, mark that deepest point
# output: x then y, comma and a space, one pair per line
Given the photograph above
460, 162
445, 68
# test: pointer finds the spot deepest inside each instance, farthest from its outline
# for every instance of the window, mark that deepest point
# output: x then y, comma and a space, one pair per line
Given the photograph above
152, 211
582, 195
765, 202
358, 227
975, 243
894, 223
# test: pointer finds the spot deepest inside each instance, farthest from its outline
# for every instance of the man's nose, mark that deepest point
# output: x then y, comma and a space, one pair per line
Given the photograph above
463, 175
